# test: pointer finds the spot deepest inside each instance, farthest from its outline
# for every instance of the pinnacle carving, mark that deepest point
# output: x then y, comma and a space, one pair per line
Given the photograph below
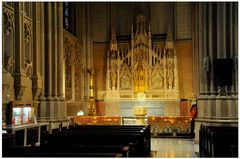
143, 69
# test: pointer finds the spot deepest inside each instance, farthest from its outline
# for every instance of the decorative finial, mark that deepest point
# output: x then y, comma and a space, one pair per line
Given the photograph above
149, 27
169, 33
113, 45
169, 40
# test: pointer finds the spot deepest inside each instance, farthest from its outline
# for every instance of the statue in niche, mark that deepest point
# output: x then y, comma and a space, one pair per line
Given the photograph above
170, 74
76, 79
113, 79
68, 78
125, 82
157, 81
9, 63
92, 107
140, 79
28, 66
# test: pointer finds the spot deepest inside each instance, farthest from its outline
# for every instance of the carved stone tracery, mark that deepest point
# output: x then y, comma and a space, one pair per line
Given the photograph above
142, 68
72, 57
8, 21
27, 30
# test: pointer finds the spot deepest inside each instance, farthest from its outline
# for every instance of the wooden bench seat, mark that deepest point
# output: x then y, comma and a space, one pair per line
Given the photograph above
99, 139
218, 141
117, 128
138, 136
68, 151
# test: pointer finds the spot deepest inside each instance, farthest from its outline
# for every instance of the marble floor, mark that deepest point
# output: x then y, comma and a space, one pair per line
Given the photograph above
174, 147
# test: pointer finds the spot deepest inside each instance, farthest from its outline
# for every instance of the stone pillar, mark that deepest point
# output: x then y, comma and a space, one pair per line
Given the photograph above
211, 50
230, 41
19, 75
201, 71
195, 50
48, 51
43, 110
60, 48
42, 15
205, 51
235, 44
87, 50
54, 51
36, 79
221, 37
88, 47
83, 59
220, 40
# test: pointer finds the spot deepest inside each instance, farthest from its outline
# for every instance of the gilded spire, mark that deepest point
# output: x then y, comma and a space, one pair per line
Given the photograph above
140, 23
113, 45
169, 40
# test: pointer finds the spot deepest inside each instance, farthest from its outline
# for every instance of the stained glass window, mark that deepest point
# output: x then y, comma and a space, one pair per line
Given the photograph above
68, 17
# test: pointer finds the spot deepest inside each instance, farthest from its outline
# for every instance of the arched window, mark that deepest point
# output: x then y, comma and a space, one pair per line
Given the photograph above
68, 17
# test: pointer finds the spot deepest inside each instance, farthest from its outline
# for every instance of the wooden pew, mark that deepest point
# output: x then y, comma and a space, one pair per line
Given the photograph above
68, 151
7, 141
119, 128
227, 133
218, 141
99, 139
105, 135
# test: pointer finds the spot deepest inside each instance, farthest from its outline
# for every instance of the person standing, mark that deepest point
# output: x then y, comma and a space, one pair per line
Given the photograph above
193, 115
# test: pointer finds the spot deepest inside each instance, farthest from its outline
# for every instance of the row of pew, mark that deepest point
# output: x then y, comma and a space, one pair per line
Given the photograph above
218, 141
89, 141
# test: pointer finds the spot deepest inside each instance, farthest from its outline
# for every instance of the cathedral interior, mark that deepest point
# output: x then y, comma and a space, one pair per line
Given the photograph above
119, 63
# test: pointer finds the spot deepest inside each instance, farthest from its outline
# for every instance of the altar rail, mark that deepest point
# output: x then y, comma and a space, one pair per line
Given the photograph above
160, 126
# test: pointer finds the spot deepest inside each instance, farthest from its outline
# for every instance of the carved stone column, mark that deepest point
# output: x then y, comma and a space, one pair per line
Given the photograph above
87, 51
201, 71
88, 47
42, 97
235, 45
43, 110
61, 84
233, 31
54, 51
83, 60
205, 63
221, 37
19, 76
36, 79
48, 52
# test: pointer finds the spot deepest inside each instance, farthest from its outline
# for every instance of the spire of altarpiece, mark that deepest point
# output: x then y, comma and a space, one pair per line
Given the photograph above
169, 40
113, 45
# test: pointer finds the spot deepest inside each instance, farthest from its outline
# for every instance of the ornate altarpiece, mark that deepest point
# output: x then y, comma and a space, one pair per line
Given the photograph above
141, 70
